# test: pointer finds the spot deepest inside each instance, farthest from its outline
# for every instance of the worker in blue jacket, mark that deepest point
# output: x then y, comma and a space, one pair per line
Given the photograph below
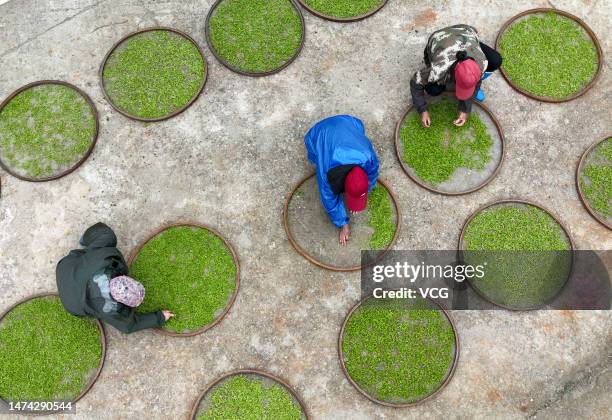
346, 165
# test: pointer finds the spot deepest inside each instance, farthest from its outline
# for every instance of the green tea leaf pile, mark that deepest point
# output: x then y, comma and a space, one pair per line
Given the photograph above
398, 350
189, 271
596, 178
381, 218
435, 153
153, 74
548, 55
46, 354
256, 36
249, 397
343, 8
526, 251
45, 130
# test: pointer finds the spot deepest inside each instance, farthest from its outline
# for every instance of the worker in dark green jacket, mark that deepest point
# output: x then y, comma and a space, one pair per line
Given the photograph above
93, 282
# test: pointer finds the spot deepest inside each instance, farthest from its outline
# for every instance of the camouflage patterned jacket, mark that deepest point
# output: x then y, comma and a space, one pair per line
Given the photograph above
440, 56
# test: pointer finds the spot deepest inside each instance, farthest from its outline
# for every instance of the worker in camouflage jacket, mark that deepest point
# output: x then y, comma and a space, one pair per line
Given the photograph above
455, 60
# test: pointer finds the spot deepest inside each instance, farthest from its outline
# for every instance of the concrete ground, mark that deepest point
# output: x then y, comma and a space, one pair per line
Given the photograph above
231, 159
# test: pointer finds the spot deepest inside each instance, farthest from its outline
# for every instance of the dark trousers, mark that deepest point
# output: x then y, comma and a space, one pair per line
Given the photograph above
493, 57
494, 60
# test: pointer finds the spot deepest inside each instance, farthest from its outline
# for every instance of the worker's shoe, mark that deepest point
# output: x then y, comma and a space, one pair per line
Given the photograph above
480, 95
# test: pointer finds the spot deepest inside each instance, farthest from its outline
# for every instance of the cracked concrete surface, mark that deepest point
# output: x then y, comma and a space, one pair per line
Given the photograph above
230, 160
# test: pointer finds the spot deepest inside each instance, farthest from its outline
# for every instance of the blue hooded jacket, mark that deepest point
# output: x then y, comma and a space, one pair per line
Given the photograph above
337, 141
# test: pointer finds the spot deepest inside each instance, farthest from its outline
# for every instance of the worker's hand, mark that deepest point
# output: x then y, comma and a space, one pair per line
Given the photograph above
167, 314
461, 119
425, 119
344, 234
